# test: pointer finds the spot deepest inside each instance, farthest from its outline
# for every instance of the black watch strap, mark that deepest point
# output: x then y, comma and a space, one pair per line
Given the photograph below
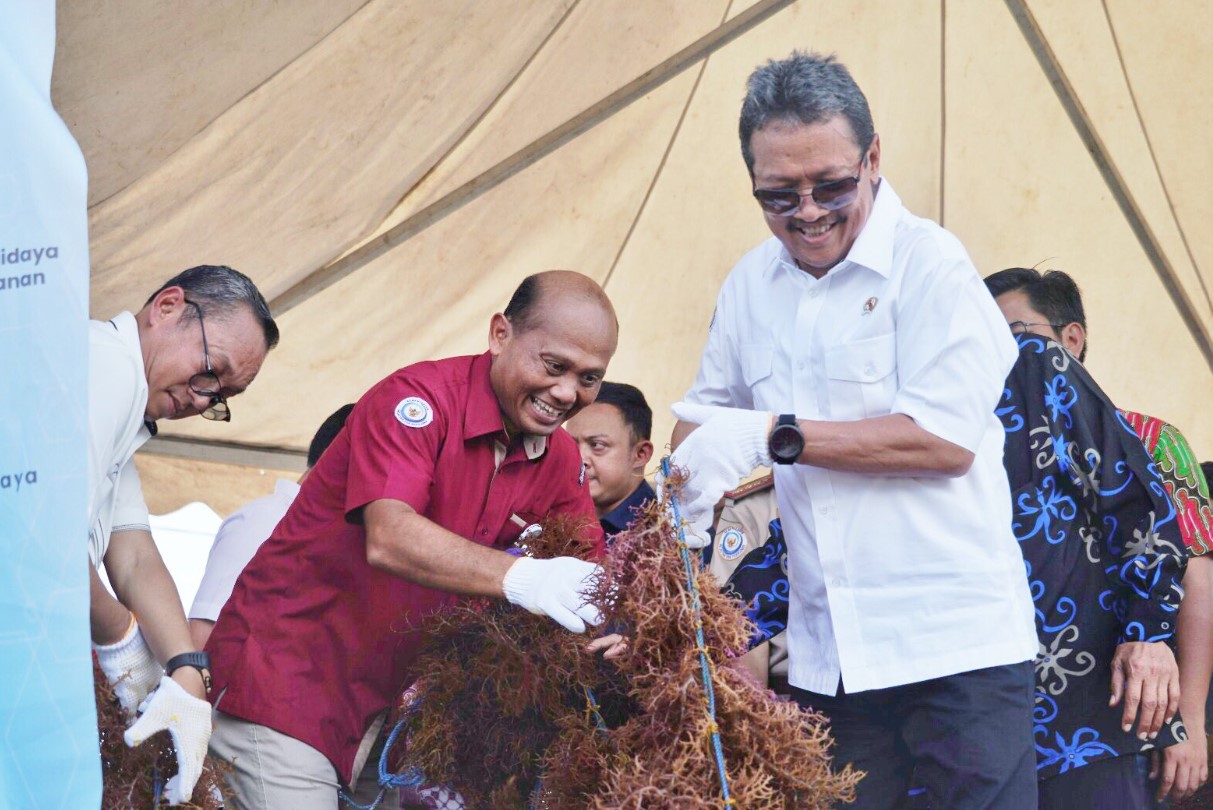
199, 660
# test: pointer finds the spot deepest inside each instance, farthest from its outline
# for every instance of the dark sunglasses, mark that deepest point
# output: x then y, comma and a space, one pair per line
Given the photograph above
830, 195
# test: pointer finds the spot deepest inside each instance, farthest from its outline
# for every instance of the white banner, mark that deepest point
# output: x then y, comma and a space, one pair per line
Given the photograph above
48, 725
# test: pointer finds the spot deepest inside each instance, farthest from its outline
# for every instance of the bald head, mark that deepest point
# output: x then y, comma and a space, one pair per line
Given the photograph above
550, 350
541, 294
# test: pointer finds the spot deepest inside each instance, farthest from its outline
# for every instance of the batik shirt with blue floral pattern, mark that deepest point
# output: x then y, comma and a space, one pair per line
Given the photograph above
1102, 548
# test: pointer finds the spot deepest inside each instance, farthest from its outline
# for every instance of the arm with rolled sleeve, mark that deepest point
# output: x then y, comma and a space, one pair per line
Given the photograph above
1185, 766
953, 352
390, 474
391, 471
953, 355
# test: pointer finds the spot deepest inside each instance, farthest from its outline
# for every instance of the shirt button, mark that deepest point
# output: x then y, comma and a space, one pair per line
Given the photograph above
800, 366
484, 531
869, 369
814, 293
836, 582
825, 511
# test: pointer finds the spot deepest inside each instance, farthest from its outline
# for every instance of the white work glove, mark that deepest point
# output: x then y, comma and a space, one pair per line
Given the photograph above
130, 668
555, 588
727, 445
188, 720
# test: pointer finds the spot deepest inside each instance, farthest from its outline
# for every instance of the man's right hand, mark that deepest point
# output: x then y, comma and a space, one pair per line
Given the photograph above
555, 588
130, 668
1145, 677
727, 446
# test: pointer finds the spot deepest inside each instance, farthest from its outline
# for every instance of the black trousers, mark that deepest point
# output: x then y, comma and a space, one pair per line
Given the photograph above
966, 739
1119, 783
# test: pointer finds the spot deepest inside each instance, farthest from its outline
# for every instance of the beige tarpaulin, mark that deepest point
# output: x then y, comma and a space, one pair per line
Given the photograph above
280, 138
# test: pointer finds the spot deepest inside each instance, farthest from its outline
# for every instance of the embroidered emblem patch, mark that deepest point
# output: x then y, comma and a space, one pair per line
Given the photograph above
414, 412
870, 305
732, 543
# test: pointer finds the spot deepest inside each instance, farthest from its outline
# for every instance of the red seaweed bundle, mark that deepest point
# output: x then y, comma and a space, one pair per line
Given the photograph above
515, 713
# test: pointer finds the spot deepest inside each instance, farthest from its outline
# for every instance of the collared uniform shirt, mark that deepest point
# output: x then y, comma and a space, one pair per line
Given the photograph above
237, 540
894, 579
317, 644
1102, 547
621, 516
117, 400
749, 523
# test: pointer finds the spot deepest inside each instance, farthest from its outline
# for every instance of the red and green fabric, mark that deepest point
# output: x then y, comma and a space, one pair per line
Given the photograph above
1181, 475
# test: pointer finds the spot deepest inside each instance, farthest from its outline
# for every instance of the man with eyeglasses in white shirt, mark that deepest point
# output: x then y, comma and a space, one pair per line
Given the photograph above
870, 333
197, 342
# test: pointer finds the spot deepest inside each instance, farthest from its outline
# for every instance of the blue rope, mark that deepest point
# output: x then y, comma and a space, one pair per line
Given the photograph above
705, 669
157, 786
591, 707
409, 777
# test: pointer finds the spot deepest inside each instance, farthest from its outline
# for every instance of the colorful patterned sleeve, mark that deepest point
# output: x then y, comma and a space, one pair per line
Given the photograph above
1185, 483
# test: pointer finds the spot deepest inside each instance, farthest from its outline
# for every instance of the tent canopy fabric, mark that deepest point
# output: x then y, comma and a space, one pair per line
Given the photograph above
423, 143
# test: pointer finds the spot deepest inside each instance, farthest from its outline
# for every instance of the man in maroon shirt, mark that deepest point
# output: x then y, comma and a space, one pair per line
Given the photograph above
440, 467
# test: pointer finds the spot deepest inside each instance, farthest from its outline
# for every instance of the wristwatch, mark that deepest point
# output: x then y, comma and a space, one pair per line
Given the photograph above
200, 661
786, 441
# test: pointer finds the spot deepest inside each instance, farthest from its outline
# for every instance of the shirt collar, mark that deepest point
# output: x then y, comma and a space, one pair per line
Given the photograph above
482, 411
127, 327
873, 247
618, 518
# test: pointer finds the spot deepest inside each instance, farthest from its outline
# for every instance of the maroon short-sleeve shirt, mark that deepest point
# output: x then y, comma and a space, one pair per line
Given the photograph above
314, 642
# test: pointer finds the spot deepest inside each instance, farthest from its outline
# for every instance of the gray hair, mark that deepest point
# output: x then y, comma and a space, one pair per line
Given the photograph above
220, 289
807, 88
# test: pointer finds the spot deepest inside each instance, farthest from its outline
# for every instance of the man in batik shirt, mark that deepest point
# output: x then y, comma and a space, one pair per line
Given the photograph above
1050, 305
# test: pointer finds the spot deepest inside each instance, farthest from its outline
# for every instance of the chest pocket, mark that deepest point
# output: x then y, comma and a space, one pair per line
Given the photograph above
757, 362
862, 377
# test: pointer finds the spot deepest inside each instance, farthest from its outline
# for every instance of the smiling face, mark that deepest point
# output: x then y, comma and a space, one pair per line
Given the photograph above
171, 341
545, 374
614, 458
791, 155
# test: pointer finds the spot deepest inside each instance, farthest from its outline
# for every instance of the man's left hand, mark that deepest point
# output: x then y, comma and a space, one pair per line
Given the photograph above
1181, 768
1146, 677
188, 721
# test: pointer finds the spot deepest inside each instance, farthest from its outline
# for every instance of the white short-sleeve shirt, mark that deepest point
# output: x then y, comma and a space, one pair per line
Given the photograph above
236, 542
117, 400
894, 579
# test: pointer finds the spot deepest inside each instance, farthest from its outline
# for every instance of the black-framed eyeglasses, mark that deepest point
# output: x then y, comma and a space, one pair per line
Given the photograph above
830, 195
206, 383
1020, 327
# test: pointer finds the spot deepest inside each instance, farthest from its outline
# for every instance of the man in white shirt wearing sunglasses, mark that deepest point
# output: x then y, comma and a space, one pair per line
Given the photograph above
859, 352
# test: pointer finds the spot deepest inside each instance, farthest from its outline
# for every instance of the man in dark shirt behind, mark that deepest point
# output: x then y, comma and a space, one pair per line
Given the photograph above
1105, 558
613, 436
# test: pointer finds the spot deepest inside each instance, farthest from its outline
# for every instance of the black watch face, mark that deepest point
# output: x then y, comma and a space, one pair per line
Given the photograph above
786, 443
